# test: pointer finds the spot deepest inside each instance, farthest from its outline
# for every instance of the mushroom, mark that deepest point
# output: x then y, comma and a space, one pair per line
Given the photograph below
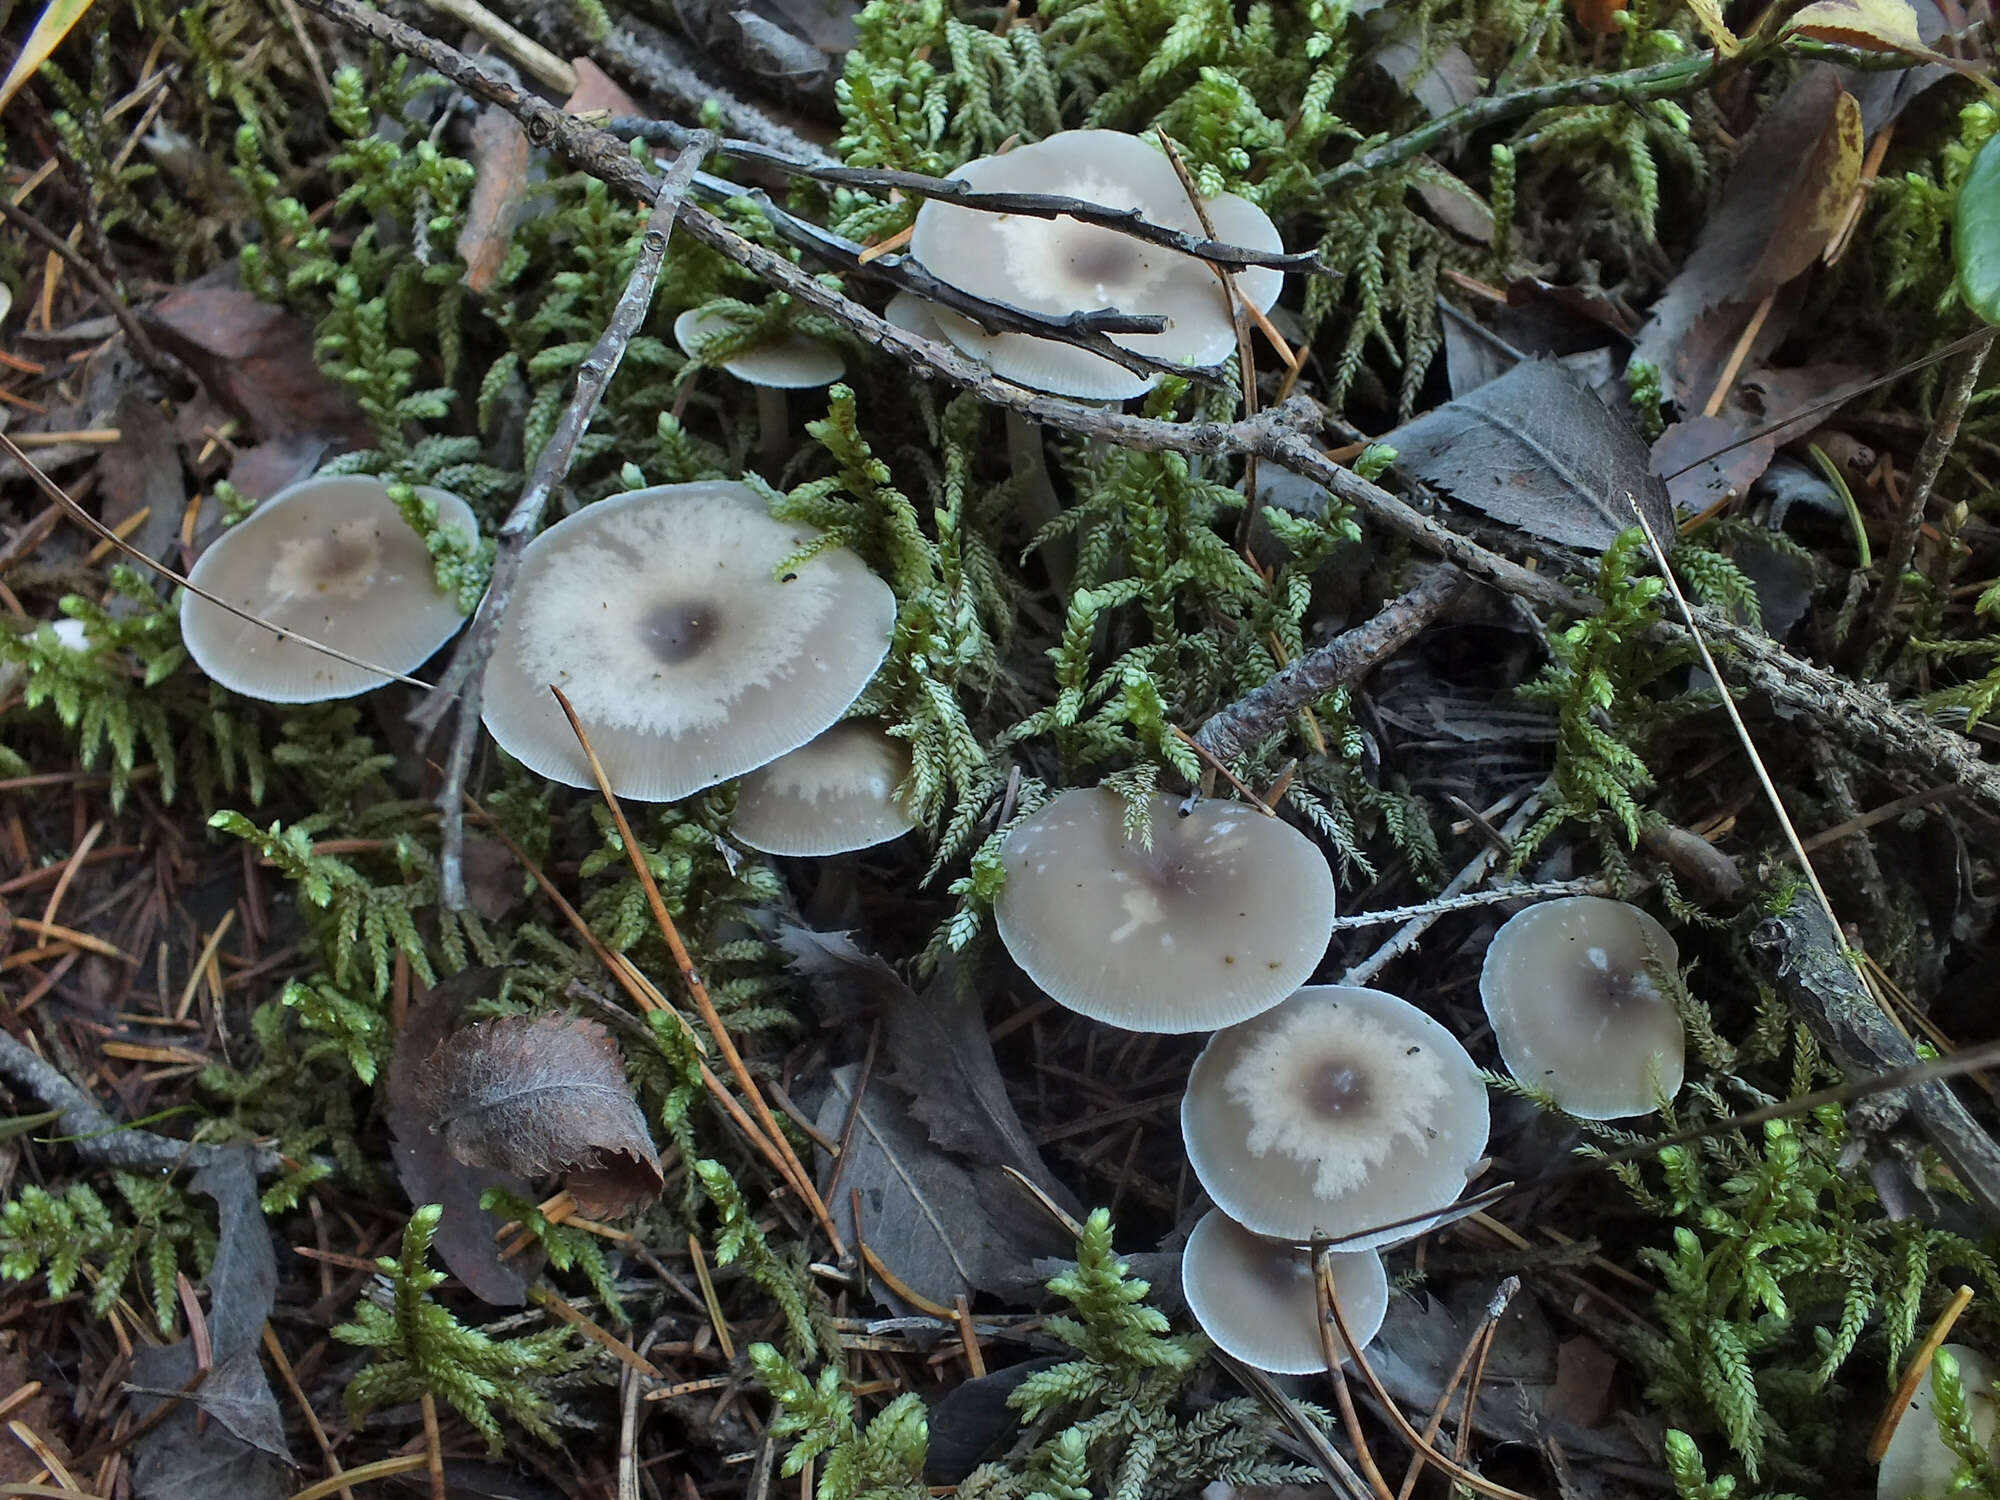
332, 560
1255, 1298
1220, 918
834, 794
688, 657
1341, 1110
1575, 1010
786, 362
1917, 1464
1061, 266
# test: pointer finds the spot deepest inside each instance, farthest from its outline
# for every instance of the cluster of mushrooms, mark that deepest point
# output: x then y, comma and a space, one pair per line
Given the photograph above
699, 639
1329, 1112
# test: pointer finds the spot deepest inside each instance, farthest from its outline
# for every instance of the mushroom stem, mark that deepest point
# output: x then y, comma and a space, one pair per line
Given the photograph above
1039, 504
774, 429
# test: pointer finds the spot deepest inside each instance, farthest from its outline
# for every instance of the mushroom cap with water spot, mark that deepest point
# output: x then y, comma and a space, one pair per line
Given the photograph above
332, 559
1341, 1110
789, 361
1061, 266
1222, 917
1575, 1012
688, 658
833, 794
1255, 1297
1917, 1464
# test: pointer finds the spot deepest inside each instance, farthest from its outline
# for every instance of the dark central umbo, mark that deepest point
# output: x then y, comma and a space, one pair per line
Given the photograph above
678, 632
1338, 1088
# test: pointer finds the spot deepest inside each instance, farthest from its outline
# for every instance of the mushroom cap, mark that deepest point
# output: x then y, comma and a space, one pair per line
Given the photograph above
70, 633
332, 559
1255, 1299
1221, 918
831, 795
1341, 1109
1062, 265
912, 314
659, 614
1575, 1012
1917, 1464
791, 361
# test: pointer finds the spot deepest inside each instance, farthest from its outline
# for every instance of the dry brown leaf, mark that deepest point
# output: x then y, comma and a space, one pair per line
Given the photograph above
597, 90
500, 162
540, 1094
1597, 17
1873, 25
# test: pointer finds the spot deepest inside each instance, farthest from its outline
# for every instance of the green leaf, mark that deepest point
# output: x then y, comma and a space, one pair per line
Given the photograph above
1976, 233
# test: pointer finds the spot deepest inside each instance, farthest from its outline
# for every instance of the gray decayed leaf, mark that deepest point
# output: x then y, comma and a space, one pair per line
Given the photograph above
1706, 458
1537, 451
940, 1053
539, 1094
466, 1232
944, 1228
974, 1423
236, 1456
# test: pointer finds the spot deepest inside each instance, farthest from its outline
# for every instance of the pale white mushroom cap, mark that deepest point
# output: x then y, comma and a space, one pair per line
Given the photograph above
70, 633
912, 314
1221, 918
660, 614
1575, 1012
1060, 266
791, 361
832, 794
1340, 1110
1255, 1299
1917, 1465
332, 559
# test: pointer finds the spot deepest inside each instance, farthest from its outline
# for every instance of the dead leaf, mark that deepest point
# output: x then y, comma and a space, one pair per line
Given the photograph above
18, 1464
1597, 17
540, 1094
500, 184
1585, 1371
1537, 451
466, 1232
945, 1229
1786, 198
1704, 459
1872, 25
595, 90
1456, 206
939, 1053
142, 471
1450, 81
237, 1456
256, 360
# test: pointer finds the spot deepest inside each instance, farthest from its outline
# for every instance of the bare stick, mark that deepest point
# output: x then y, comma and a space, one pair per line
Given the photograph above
1469, 901
1342, 661
95, 1135
466, 675
1333, 1351
1916, 499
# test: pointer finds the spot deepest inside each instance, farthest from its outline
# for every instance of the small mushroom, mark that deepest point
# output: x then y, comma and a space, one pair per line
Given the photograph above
333, 560
1918, 1465
1255, 1298
834, 794
1575, 1011
788, 362
1220, 918
687, 655
1061, 266
1341, 1110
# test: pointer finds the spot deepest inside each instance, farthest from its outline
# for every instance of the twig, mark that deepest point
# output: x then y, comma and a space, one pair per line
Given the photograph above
95, 1135
148, 352
464, 679
1874, 637
1407, 936
1342, 661
1327, 1298
1479, 1343
1469, 901
1127, 221
1861, 715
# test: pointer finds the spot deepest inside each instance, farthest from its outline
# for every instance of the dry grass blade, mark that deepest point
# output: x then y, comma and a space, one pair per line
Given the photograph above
1920, 1364
791, 1168
1327, 1295
104, 533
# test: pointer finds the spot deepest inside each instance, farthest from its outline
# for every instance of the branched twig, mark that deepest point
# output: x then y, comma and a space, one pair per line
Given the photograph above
95, 1135
1127, 221
1902, 546
1344, 660
462, 681
1862, 715
1545, 890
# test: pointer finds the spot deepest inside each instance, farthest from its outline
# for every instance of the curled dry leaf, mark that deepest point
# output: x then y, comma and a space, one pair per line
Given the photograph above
540, 1094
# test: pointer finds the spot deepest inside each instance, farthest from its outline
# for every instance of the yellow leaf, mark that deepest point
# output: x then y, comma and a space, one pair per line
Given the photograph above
1709, 14
57, 18
1872, 25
